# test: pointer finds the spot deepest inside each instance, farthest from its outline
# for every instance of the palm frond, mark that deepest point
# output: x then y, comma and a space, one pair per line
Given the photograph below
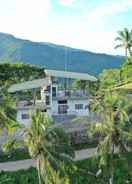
119, 46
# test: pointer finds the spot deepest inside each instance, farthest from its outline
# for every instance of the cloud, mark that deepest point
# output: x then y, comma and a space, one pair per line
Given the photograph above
24, 17
25, 9
66, 2
33, 8
109, 9
35, 20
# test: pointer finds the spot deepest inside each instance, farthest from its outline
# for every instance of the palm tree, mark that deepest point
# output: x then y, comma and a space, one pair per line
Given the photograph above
112, 108
48, 146
7, 112
125, 39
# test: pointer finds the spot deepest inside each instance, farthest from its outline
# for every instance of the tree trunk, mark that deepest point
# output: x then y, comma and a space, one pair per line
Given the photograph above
130, 52
111, 166
38, 169
126, 52
120, 75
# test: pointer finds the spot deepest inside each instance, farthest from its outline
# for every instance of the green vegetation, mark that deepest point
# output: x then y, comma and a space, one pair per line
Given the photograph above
20, 177
92, 144
113, 109
19, 72
53, 56
84, 172
19, 154
125, 39
51, 148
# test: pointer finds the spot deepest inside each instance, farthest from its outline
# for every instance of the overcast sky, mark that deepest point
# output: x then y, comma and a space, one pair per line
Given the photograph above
87, 24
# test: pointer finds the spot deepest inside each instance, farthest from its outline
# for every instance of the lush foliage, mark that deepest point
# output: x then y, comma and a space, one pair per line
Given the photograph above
125, 40
50, 147
54, 56
15, 73
84, 173
115, 77
14, 155
114, 108
19, 72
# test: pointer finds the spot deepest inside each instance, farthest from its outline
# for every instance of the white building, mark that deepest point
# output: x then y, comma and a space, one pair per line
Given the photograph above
54, 101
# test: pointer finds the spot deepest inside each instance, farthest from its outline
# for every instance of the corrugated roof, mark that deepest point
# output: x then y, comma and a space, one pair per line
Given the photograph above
72, 75
29, 85
45, 81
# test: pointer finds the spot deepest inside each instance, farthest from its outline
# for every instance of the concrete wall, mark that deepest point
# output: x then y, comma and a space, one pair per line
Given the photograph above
26, 122
71, 107
78, 112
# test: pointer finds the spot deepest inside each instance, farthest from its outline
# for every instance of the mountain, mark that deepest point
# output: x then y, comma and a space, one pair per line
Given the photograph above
53, 56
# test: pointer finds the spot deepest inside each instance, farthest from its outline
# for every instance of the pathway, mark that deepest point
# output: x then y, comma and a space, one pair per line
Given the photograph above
25, 164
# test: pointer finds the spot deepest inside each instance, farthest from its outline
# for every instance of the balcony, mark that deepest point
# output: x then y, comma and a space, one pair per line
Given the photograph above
71, 94
25, 104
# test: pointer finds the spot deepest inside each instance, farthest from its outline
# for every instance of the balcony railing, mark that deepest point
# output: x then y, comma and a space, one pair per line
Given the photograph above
26, 104
72, 94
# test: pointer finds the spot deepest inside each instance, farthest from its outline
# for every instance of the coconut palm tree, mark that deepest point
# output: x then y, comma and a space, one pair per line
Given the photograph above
125, 39
112, 107
48, 146
7, 112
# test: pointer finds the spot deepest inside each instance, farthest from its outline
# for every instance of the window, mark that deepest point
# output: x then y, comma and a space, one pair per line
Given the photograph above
62, 102
45, 110
25, 116
78, 106
47, 100
54, 91
62, 109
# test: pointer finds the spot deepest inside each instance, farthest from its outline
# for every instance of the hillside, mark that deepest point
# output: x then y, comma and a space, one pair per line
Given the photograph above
54, 56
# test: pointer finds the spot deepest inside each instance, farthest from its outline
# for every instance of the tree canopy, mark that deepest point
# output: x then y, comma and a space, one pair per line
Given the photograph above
19, 72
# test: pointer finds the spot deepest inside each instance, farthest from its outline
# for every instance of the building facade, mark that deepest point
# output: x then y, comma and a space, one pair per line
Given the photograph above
53, 101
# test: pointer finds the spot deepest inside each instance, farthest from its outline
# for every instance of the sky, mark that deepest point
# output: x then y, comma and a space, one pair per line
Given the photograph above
85, 24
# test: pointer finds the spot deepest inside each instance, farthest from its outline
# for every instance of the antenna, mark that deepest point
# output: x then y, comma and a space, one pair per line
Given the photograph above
66, 57
66, 66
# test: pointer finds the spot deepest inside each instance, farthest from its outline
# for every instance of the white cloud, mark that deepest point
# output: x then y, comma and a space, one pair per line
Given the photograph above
66, 2
24, 17
109, 9
83, 38
33, 19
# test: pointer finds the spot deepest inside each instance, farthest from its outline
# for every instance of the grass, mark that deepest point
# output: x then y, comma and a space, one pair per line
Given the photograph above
79, 175
85, 145
14, 156
23, 154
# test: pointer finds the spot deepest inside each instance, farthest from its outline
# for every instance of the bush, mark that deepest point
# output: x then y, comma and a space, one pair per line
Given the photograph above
83, 173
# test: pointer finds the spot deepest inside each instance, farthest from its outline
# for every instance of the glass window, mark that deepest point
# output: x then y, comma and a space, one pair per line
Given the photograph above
78, 106
62, 102
62, 109
54, 91
25, 116
47, 100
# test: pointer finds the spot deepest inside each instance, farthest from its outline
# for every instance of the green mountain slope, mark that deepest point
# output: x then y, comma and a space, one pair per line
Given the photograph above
54, 56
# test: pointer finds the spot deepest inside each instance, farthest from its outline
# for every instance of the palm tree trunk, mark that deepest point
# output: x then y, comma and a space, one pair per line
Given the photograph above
130, 52
38, 170
120, 75
126, 52
111, 166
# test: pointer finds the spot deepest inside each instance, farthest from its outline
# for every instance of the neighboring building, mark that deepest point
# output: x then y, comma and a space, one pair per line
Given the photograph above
54, 101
